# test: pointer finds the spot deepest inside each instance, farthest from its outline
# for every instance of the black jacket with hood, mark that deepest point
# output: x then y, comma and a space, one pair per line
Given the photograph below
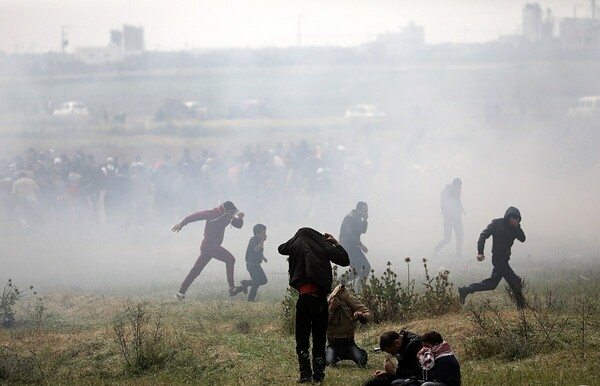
408, 363
503, 235
310, 258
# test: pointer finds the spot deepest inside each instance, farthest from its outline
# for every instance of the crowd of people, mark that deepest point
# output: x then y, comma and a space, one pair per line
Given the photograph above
41, 188
79, 191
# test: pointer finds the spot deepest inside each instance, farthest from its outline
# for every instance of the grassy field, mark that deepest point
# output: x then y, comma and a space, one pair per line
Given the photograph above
69, 337
437, 128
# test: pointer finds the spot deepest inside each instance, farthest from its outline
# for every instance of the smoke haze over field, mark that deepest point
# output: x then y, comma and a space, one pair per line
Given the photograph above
275, 140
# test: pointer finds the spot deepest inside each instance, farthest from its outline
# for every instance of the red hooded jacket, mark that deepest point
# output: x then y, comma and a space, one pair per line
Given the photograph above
216, 222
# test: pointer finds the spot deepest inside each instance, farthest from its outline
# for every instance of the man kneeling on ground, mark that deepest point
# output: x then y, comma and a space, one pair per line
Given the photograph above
344, 311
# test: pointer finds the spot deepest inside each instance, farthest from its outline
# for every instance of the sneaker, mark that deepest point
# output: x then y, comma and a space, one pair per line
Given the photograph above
304, 380
179, 296
236, 290
462, 294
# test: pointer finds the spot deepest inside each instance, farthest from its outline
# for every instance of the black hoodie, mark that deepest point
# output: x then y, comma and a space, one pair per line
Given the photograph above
503, 235
310, 258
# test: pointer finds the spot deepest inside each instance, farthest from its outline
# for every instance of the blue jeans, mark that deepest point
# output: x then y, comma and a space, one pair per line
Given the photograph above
258, 278
345, 349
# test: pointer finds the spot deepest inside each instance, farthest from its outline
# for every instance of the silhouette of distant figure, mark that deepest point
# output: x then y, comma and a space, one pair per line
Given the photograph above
452, 210
353, 226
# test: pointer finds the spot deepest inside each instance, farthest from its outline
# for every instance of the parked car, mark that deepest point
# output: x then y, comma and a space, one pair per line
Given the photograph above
198, 108
364, 112
586, 107
74, 108
174, 109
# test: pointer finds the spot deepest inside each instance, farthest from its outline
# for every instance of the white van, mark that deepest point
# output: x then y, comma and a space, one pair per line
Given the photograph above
71, 108
586, 107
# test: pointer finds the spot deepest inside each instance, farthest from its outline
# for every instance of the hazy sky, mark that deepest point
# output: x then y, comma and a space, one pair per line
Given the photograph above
35, 25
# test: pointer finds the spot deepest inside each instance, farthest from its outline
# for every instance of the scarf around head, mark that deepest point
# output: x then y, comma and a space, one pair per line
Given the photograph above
428, 356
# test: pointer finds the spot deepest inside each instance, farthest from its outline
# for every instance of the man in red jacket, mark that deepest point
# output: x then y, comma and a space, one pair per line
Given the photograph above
217, 220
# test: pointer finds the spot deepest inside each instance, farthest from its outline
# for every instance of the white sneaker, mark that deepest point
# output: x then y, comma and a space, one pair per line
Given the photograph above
180, 296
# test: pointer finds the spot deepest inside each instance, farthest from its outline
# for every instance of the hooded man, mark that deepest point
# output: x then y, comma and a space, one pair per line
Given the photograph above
504, 231
353, 226
217, 220
310, 256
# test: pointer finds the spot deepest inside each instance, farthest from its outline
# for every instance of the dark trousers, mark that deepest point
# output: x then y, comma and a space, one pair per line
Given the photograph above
207, 252
384, 380
311, 317
358, 261
452, 223
502, 270
257, 278
339, 350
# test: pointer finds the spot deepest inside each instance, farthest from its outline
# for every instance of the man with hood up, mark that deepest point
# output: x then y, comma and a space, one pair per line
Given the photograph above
353, 226
504, 231
217, 220
310, 256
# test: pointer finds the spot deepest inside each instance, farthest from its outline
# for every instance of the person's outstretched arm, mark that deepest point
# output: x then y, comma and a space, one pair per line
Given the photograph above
487, 232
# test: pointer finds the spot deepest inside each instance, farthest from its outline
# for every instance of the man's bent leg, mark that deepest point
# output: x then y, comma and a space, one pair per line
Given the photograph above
201, 262
358, 355
331, 357
488, 284
514, 282
225, 256
447, 236
458, 231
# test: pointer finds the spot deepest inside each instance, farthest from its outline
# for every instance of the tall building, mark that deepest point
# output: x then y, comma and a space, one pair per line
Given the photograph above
534, 27
133, 39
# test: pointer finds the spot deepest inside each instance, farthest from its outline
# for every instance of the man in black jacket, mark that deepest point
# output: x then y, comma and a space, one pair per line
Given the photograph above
405, 346
353, 226
310, 256
504, 231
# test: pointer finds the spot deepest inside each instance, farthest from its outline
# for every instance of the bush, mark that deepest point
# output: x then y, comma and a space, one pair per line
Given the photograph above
387, 297
139, 334
439, 297
10, 296
537, 327
288, 312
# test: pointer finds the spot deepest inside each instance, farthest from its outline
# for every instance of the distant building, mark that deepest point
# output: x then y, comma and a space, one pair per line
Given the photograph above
116, 38
410, 40
128, 41
133, 39
534, 27
579, 33
99, 55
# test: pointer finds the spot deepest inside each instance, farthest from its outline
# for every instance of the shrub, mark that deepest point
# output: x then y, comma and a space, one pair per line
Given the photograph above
538, 326
439, 297
18, 369
387, 298
10, 296
288, 314
139, 334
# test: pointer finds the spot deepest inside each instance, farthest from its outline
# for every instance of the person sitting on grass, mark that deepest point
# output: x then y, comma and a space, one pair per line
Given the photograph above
439, 364
404, 345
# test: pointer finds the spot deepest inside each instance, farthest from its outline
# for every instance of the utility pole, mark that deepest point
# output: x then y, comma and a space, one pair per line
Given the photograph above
64, 39
299, 30
594, 10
